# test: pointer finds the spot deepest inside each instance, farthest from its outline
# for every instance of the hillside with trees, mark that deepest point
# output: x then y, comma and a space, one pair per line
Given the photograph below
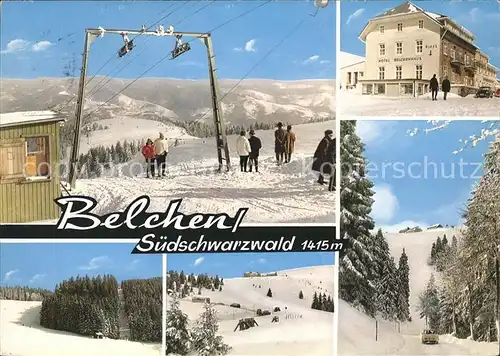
24, 294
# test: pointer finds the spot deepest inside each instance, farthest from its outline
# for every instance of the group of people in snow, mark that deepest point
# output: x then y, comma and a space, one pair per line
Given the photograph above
155, 152
434, 85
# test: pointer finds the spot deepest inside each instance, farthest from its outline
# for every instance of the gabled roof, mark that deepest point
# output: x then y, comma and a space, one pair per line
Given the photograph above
28, 118
407, 8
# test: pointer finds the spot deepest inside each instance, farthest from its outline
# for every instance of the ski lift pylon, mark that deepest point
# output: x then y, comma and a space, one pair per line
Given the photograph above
319, 4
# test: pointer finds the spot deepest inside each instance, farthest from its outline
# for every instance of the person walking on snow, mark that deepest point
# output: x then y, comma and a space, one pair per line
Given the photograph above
243, 148
148, 151
434, 85
446, 87
324, 157
161, 149
255, 146
279, 143
289, 143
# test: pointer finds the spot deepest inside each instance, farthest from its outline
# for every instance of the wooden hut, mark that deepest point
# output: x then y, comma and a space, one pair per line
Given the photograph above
29, 166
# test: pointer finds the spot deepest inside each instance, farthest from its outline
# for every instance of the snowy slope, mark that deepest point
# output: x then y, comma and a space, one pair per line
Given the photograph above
310, 334
22, 335
357, 331
347, 59
356, 104
287, 193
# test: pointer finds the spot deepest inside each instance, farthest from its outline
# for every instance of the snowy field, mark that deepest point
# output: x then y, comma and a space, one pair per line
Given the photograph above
287, 193
355, 104
357, 330
22, 335
311, 334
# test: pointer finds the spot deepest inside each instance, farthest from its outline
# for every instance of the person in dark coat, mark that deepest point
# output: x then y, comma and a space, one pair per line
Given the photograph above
255, 146
148, 151
332, 149
446, 87
279, 143
434, 84
324, 157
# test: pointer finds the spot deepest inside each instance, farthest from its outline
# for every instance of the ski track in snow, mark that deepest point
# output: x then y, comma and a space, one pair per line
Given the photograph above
357, 330
354, 104
287, 193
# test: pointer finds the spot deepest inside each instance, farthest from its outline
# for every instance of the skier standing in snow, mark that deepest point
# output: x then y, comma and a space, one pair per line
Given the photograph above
289, 143
255, 146
445, 87
434, 85
243, 148
148, 151
324, 157
279, 143
161, 149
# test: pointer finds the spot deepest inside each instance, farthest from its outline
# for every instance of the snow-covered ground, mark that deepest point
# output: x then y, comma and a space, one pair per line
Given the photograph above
287, 193
305, 332
357, 330
22, 335
353, 103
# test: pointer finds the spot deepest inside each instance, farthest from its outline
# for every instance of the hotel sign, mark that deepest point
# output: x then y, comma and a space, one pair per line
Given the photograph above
401, 59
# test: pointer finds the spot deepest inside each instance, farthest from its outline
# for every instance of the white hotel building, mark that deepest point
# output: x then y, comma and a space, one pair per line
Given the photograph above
406, 46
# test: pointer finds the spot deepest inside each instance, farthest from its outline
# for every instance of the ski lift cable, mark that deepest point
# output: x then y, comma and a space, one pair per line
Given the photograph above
113, 56
111, 75
169, 54
275, 47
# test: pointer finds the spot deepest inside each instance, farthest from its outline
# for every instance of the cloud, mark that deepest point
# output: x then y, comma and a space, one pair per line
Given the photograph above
249, 47
17, 45
133, 265
324, 62
198, 261
385, 204
476, 15
259, 261
312, 59
354, 15
375, 131
95, 263
9, 274
41, 46
20, 45
37, 277
229, 6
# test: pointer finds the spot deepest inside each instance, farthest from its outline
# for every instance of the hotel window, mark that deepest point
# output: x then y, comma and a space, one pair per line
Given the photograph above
467, 59
445, 71
452, 53
420, 46
400, 27
419, 71
399, 72
445, 48
381, 73
382, 49
420, 23
381, 29
399, 47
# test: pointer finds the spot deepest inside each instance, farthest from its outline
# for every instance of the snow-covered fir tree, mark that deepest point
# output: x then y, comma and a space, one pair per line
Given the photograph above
429, 305
205, 339
356, 263
403, 272
178, 337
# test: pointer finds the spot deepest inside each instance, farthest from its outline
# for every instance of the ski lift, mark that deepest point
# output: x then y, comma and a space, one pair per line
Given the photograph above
180, 47
319, 4
129, 45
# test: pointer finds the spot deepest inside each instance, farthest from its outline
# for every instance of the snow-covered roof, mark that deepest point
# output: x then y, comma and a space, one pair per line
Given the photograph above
348, 59
28, 117
407, 8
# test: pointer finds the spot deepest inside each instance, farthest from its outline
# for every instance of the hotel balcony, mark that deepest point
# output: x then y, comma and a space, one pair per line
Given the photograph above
457, 60
470, 65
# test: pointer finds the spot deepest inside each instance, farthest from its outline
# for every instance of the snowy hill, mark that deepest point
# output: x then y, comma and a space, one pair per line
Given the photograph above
22, 335
304, 332
287, 193
357, 331
252, 100
347, 59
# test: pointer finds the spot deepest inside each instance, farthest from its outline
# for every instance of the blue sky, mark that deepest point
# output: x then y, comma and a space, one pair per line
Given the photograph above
44, 265
234, 265
48, 45
479, 17
409, 194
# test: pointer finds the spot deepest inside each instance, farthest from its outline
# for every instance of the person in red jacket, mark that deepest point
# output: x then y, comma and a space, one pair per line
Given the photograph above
149, 154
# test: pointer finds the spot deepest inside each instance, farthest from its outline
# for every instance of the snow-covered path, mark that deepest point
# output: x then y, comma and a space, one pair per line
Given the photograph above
357, 330
353, 104
287, 193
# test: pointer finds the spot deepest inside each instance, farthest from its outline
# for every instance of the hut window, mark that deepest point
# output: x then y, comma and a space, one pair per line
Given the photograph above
37, 156
11, 160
